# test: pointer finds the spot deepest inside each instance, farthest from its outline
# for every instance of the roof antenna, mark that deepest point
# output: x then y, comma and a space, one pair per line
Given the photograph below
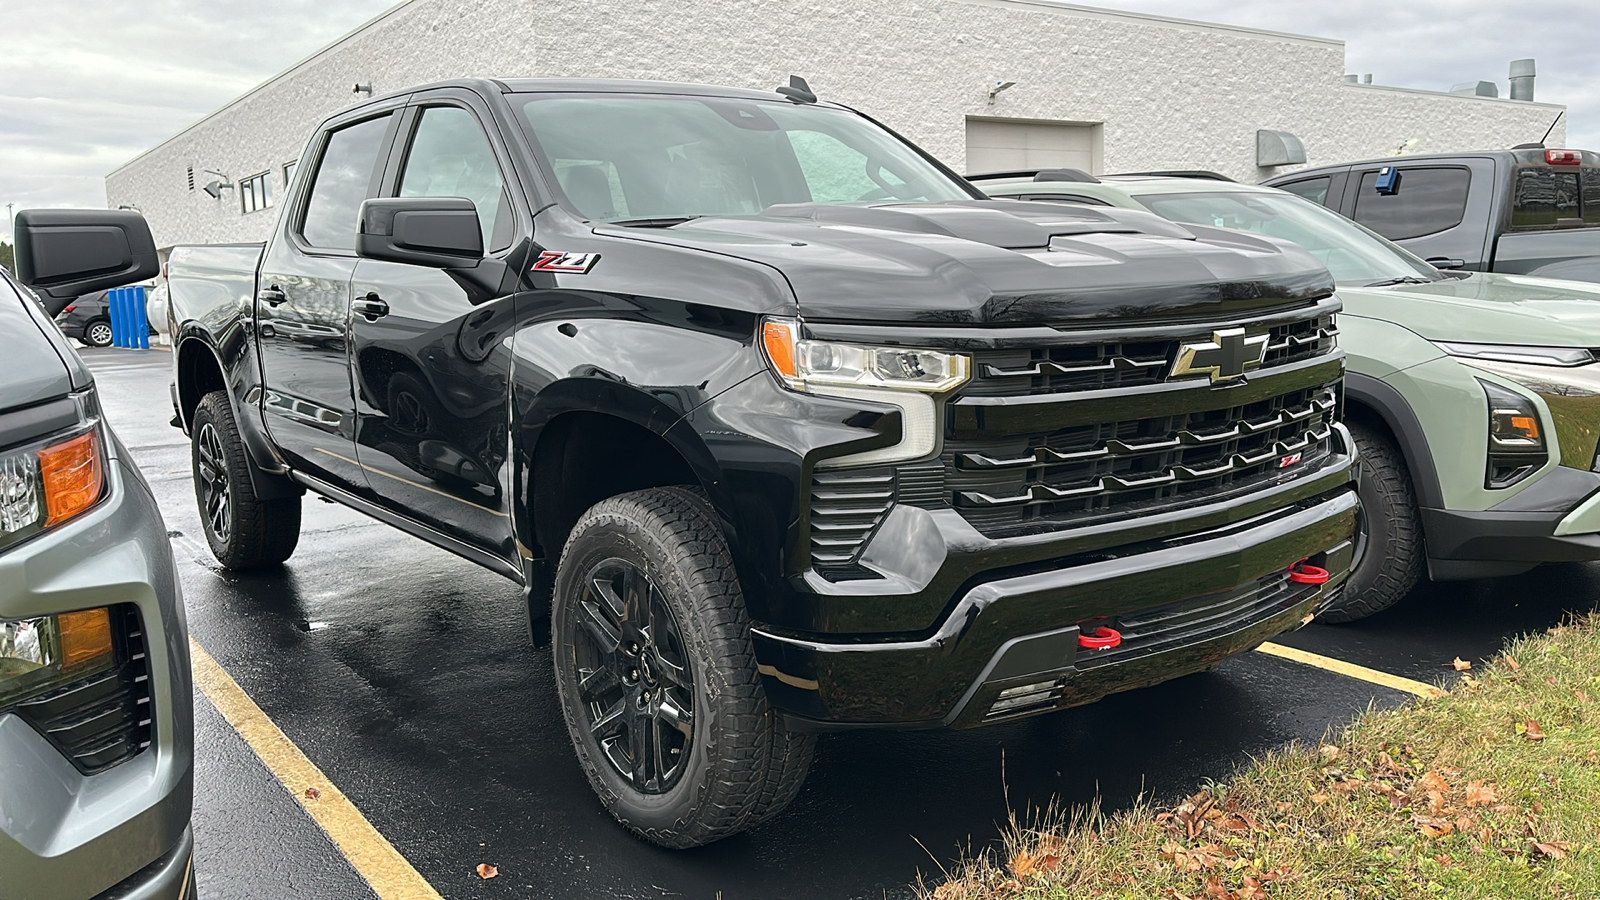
1551, 128
798, 90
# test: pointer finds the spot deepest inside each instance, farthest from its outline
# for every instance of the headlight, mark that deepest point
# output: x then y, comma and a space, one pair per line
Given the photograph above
899, 376
1534, 356
816, 366
51, 481
1516, 444
41, 653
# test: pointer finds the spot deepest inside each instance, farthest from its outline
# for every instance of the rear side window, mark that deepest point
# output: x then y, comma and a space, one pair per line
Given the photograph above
1429, 200
1313, 189
342, 179
1543, 197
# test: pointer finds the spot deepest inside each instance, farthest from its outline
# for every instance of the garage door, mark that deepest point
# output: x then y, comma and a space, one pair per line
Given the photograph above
999, 145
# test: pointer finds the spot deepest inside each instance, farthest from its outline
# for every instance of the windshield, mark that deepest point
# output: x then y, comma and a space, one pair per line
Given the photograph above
1351, 253
623, 157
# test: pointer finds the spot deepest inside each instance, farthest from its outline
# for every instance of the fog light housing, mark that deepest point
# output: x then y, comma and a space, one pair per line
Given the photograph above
44, 652
1516, 439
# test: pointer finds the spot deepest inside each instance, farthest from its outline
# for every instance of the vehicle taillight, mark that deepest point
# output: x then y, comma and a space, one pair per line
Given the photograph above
1564, 157
68, 308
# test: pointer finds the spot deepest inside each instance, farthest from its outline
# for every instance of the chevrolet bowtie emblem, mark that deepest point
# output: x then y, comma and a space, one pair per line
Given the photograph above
1225, 357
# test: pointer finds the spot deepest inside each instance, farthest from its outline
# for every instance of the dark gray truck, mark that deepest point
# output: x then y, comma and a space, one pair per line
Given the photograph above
1527, 211
781, 424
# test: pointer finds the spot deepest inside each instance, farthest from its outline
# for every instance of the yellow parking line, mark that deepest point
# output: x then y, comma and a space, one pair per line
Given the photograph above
1351, 670
369, 853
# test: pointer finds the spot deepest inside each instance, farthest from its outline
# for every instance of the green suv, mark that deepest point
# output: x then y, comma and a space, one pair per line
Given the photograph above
1474, 397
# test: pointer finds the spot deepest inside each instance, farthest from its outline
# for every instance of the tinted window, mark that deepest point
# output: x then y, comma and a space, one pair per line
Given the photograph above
1591, 196
1543, 196
342, 179
1313, 189
451, 157
1428, 202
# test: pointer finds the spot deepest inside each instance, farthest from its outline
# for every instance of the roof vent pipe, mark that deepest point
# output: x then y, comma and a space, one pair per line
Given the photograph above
1522, 79
1352, 79
1367, 78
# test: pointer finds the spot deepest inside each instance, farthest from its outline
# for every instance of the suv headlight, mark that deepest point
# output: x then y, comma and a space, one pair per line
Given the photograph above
51, 481
1516, 443
1565, 378
899, 376
42, 653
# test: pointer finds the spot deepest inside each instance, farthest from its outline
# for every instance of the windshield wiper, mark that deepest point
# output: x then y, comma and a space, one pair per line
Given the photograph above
662, 222
1403, 279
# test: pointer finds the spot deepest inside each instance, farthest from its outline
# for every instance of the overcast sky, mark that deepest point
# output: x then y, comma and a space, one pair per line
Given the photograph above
86, 85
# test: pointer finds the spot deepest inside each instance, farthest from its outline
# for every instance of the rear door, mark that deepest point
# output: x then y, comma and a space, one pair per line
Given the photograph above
432, 369
1440, 210
303, 302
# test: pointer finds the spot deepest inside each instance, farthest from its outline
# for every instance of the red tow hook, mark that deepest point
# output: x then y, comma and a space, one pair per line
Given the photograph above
1101, 639
1302, 573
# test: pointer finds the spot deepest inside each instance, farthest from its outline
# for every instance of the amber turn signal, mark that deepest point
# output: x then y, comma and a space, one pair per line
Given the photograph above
779, 338
85, 636
72, 476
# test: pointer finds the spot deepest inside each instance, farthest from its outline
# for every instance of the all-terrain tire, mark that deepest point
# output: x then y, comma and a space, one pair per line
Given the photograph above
1390, 554
244, 531
739, 765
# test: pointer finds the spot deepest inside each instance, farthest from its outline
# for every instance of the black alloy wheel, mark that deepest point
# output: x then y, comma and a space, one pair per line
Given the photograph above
634, 676
211, 481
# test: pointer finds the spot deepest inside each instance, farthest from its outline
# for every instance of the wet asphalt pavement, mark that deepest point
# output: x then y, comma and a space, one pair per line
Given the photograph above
408, 676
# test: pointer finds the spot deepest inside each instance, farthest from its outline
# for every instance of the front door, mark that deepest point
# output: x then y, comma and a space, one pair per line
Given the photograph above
432, 368
303, 310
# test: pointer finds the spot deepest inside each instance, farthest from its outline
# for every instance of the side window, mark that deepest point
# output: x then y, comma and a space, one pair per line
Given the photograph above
342, 178
1591, 196
1313, 189
1429, 200
450, 157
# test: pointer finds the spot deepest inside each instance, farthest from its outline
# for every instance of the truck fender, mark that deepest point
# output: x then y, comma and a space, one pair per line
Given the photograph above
268, 484
1391, 407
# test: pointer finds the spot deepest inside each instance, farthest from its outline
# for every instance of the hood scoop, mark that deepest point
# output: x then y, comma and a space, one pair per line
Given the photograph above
1010, 225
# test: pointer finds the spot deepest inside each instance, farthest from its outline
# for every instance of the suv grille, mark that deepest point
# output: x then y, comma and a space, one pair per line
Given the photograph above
1089, 367
105, 719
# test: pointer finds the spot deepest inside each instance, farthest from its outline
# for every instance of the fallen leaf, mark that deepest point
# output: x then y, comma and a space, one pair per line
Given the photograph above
1461, 665
1551, 849
1216, 891
1433, 781
1023, 864
1435, 802
1534, 732
1251, 890
1538, 810
486, 871
1480, 794
1387, 761
1582, 697
1443, 860
1329, 753
1512, 663
1319, 798
313, 794
1592, 756
1432, 826
1049, 862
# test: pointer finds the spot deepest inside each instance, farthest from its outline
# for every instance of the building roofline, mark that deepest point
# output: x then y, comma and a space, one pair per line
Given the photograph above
328, 48
1094, 12
1553, 107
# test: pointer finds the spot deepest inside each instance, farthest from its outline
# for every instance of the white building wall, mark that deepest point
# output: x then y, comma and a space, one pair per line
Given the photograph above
1171, 94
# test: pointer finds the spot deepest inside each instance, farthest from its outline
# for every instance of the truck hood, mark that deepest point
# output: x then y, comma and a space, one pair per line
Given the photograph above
1487, 308
32, 368
1002, 262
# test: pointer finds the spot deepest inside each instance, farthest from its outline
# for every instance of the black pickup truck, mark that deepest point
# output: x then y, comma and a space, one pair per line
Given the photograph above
782, 424
1529, 211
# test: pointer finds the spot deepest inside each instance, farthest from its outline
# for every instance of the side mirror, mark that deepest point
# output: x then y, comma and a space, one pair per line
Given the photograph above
441, 232
64, 253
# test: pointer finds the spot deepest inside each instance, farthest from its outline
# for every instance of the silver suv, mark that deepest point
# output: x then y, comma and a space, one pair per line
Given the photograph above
96, 714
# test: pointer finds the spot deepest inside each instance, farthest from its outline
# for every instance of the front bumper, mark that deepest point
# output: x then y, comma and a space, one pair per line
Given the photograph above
1009, 646
1555, 519
64, 834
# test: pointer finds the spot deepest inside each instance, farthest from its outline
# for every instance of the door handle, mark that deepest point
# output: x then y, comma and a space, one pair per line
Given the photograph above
372, 306
1445, 262
271, 296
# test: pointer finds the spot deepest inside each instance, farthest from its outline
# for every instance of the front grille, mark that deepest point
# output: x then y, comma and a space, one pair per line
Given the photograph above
847, 505
1053, 479
1124, 364
105, 719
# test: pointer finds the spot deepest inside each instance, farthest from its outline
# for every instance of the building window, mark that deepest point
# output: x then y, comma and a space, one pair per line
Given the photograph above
255, 193
288, 174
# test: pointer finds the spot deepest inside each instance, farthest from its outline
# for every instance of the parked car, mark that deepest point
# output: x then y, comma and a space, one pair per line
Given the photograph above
88, 319
781, 422
1475, 398
1529, 211
96, 718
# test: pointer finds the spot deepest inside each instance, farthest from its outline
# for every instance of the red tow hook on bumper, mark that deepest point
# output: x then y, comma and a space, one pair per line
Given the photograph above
1302, 573
1101, 638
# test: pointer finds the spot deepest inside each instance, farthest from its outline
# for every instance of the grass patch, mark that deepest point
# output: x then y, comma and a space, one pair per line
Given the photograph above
1491, 791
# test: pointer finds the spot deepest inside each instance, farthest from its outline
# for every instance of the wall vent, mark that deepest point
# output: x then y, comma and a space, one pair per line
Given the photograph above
191, 178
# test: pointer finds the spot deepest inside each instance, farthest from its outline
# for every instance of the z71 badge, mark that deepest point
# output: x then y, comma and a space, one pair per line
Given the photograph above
559, 261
